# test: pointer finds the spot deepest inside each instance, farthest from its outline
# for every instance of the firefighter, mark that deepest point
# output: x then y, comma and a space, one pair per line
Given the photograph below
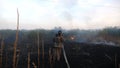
58, 42
60, 37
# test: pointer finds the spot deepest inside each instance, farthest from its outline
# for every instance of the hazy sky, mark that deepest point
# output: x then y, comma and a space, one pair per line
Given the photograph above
69, 14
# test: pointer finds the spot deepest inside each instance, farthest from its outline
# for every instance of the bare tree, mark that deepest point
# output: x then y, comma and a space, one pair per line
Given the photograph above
1, 55
28, 59
38, 48
16, 41
115, 60
43, 53
50, 57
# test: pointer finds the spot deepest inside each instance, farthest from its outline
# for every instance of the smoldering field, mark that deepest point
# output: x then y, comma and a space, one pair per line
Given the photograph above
84, 48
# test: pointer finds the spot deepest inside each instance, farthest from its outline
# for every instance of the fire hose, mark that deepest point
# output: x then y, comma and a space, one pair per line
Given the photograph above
64, 53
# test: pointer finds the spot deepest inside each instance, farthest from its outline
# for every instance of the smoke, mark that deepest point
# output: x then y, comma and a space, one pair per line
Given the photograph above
69, 3
69, 18
0, 10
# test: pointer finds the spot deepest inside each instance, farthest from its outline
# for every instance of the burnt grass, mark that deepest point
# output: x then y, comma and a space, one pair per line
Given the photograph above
80, 55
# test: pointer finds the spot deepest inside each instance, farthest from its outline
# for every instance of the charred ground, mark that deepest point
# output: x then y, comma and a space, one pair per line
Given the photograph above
80, 55
84, 51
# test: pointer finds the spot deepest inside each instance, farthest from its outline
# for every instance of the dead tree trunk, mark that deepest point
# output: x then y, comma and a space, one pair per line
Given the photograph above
50, 58
38, 49
28, 59
1, 53
16, 41
115, 60
42, 53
